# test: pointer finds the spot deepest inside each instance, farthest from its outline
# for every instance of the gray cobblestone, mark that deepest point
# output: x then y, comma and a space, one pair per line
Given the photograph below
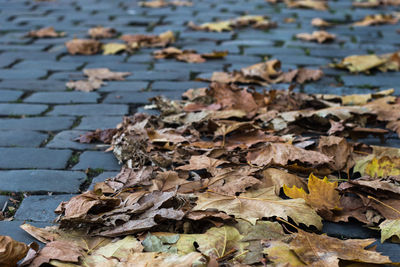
39, 123
89, 110
97, 160
33, 158
8, 95
21, 109
99, 122
21, 138
65, 139
41, 181
63, 97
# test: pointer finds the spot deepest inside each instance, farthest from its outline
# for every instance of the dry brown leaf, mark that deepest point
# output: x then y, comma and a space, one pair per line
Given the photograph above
163, 3
85, 85
83, 46
318, 22
278, 178
57, 250
140, 40
282, 154
322, 250
319, 36
375, 3
100, 32
11, 251
338, 149
105, 74
312, 4
377, 20
48, 32
254, 205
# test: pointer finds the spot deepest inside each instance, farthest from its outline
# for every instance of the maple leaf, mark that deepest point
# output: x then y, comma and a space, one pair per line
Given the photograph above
11, 251
83, 46
322, 194
254, 205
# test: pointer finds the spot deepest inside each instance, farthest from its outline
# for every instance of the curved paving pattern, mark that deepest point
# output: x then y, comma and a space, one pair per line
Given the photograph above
39, 117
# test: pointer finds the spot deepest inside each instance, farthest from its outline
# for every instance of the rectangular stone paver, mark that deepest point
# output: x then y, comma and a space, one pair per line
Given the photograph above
30, 158
66, 139
41, 181
21, 138
99, 122
63, 97
90, 110
97, 160
9, 95
21, 109
38, 123
40, 208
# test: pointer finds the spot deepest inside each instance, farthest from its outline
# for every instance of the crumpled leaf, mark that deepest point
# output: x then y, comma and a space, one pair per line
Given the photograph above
282, 154
140, 40
377, 20
361, 63
104, 136
312, 4
318, 22
47, 32
319, 36
105, 74
389, 228
100, 32
338, 149
187, 55
85, 85
163, 3
258, 22
278, 178
254, 205
375, 3
322, 194
57, 250
322, 250
83, 47
11, 251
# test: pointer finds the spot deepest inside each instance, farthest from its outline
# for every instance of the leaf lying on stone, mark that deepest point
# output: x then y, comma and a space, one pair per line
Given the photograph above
311, 4
114, 48
163, 3
85, 85
187, 55
100, 32
258, 22
389, 228
377, 20
319, 36
375, 3
48, 32
318, 22
140, 40
266, 73
83, 46
366, 63
104, 136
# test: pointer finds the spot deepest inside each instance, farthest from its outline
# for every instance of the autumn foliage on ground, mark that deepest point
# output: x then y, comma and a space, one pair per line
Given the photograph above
230, 175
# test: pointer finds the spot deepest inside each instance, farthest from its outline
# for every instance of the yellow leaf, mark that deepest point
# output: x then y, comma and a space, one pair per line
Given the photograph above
322, 194
113, 48
389, 228
383, 167
217, 26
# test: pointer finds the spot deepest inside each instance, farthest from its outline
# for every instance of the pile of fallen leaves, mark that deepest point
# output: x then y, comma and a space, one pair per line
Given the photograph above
234, 177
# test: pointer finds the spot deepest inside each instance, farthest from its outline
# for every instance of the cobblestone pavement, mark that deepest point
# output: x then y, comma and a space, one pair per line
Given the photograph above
39, 117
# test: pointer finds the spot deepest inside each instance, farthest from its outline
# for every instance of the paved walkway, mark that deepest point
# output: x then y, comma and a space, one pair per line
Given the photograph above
39, 117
